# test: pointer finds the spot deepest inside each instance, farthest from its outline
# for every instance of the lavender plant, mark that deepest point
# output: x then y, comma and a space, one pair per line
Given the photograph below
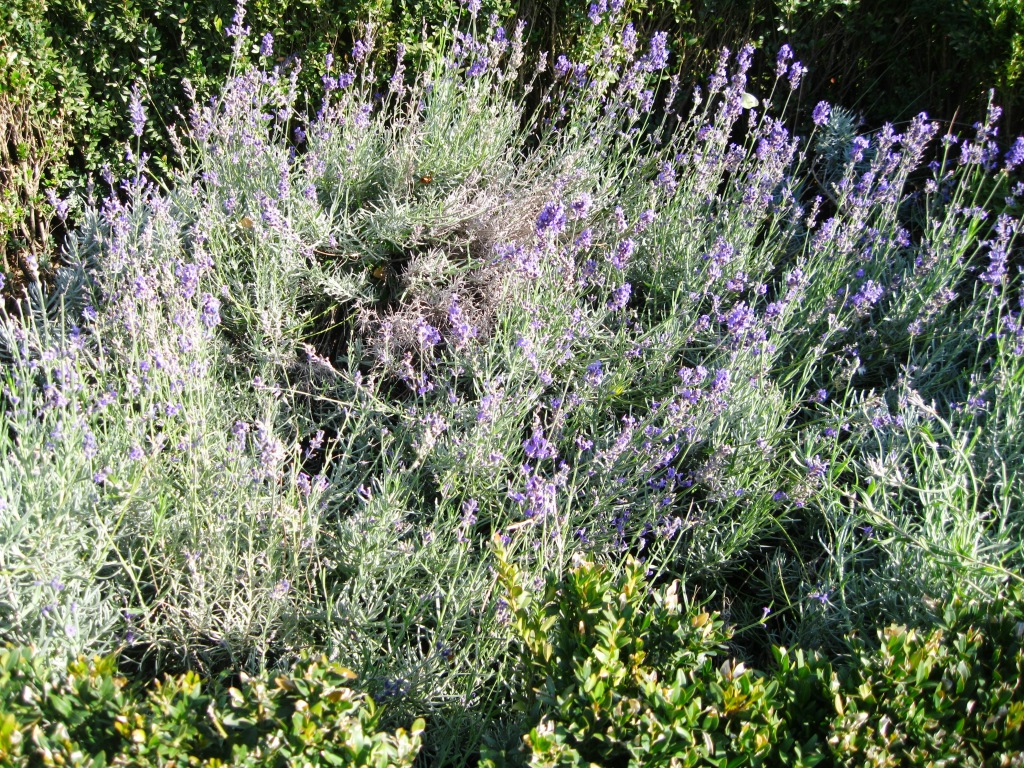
285, 401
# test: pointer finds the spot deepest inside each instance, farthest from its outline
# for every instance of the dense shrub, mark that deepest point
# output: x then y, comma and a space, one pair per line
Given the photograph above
93, 716
618, 673
282, 399
40, 105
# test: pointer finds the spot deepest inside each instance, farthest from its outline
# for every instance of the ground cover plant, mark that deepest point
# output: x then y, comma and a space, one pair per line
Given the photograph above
359, 380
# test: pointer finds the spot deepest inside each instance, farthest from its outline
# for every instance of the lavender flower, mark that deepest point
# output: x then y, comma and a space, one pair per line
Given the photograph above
267, 45
397, 82
551, 221
539, 499
428, 335
478, 67
620, 219
60, 208
720, 256
868, 295
315, 443
188, 274
796, 73
722, 381
469, 510
822, 112
645, 220
272, 451
361, 49
136, 112
89, 446
211, 310
539, 447
667, 178
280, 590
582, 206
718, 80
629, 39
782, 60
462, 329
623, 253
1015, 156
236, 29
998, 247
620, 297
740, 320
821, 595
816, 468
657, 54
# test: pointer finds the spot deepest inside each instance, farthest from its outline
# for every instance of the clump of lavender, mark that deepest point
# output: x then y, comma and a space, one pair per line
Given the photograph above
302, 386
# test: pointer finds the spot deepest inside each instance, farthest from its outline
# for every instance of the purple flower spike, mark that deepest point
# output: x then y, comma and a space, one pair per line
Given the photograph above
629, 39
211, 310
623, 253
1016, 154
620, 298
796, 73
782, 60
539, 447
581, 208
667, 178
657, 55
868, 295
267, 45
360, 50
236, 29
136, 112
478, 67
822, 112
551, 220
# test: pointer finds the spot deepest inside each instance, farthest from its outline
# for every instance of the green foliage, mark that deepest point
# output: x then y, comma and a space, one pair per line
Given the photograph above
40, 101
92, 716
924, 695
620, 673
625, 674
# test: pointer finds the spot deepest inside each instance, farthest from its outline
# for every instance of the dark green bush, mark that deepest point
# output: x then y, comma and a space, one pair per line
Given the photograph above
920, 696
617, 673
91, 715
41, 102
